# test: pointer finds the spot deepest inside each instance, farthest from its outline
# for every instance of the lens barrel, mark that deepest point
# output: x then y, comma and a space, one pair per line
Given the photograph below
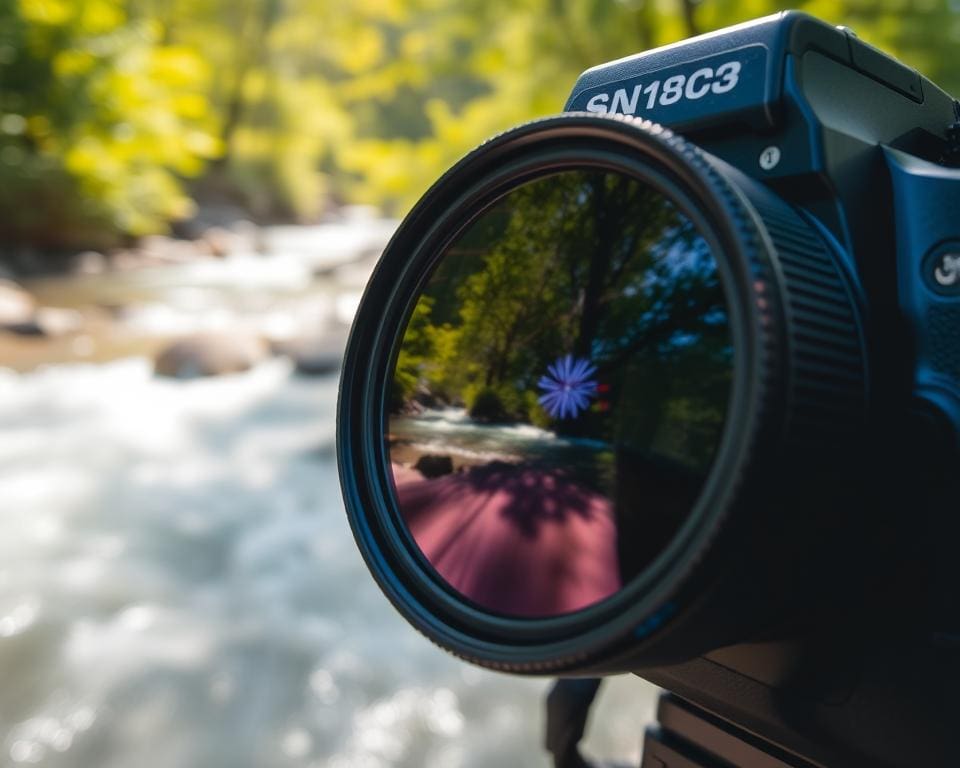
686, 371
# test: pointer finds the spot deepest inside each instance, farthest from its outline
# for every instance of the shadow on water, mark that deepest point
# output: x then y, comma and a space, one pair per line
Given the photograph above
537, 494
528, 495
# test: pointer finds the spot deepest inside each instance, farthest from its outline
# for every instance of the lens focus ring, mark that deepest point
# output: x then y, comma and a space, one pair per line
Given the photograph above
827, 389
821, 348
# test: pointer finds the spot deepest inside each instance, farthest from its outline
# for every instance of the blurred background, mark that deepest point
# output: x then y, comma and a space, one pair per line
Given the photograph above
192, 194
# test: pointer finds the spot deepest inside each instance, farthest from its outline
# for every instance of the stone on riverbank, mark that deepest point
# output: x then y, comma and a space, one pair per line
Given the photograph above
318, 356
431, 466
90, 263
20, 314
209, 355
16, 305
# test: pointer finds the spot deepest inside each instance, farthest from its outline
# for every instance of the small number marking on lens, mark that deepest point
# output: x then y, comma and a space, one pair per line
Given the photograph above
770, 158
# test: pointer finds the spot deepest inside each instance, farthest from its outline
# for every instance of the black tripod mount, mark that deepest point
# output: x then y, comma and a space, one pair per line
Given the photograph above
686, 736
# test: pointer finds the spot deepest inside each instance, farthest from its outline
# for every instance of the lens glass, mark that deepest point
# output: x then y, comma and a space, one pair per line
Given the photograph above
559, 393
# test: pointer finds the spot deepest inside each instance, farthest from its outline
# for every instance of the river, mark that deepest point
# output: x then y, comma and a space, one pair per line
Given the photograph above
178, 584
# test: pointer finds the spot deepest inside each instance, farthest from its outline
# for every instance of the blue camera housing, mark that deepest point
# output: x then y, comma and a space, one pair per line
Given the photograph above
856, 140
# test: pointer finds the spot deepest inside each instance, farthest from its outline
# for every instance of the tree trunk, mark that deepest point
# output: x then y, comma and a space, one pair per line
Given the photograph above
689, 17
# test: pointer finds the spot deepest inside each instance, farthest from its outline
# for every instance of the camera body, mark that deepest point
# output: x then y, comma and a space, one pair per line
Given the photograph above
797, 580
863, 145
841, 130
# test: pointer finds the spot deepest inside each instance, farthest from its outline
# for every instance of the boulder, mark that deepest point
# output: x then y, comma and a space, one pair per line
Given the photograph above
47, 322
16, 305
56, 321
424, 398
209, 355
431, 466
28, 327
90, 263
316, 356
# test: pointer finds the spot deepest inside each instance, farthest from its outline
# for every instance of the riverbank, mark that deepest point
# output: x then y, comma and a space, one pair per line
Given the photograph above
279, 284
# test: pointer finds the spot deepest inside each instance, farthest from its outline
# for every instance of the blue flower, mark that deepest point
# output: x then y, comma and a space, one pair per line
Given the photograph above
568, 387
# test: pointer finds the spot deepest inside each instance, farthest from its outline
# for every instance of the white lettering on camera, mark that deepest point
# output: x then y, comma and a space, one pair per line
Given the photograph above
670, 91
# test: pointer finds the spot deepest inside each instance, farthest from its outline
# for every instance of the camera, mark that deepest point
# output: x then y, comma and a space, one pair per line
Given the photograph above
669, 384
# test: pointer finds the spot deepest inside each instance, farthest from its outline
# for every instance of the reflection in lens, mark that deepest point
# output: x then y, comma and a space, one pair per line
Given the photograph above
559, 393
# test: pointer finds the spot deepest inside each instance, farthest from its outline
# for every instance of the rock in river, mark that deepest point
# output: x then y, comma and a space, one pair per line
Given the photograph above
431, 466
210, 355
318, 356
16, 305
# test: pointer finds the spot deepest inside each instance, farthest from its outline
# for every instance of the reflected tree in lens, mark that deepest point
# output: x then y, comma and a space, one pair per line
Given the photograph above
559, 392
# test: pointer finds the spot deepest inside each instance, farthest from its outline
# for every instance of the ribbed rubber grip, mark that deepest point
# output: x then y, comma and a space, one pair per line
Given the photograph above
826, 382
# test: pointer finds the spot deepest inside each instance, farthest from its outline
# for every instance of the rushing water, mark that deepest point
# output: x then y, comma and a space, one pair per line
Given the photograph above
178, 583
178, 587
451, 431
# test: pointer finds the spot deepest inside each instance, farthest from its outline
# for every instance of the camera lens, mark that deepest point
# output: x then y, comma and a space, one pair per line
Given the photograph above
559, 392
585, 397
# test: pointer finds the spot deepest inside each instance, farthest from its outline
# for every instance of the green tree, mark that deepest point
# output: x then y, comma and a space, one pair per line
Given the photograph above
415, 355
106, 106
99, 119
591, 264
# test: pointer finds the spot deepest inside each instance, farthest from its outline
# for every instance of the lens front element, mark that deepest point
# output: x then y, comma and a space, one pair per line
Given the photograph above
559, 392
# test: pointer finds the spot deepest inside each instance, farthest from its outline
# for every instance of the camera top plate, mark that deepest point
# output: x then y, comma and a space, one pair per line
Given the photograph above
738, 75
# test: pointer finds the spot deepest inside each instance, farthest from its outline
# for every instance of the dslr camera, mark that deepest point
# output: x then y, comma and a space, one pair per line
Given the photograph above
669, 384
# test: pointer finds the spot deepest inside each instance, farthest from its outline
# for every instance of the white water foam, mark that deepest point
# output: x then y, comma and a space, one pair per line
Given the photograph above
179, 587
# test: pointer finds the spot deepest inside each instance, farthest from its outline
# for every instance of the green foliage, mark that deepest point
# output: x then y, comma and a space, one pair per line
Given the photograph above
492, 65
415, 354
590, 264
488, 406
106, 106
98, 121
